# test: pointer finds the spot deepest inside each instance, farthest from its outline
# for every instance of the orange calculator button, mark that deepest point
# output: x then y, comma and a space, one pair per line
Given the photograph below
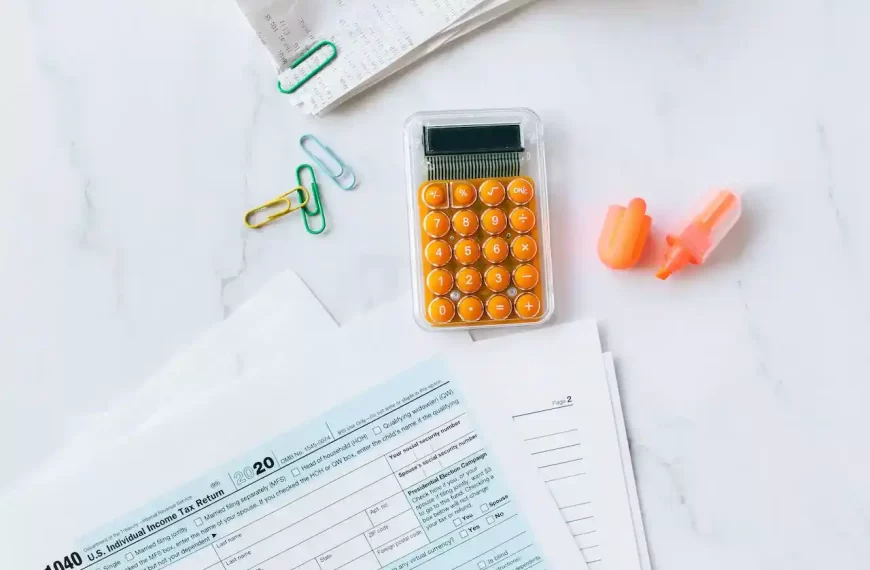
468, 280
524, 248
522, 219
525, 277
435, 195
439, 281
494, 221
495, 250
528, 305
470, 309
438, 252
498, 307
492, 192
467, 251
497, 278
465, 222
441, 310
436, 224
521, 191
464, 194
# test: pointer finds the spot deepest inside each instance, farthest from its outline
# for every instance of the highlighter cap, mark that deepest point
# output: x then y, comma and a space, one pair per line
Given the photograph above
624, 235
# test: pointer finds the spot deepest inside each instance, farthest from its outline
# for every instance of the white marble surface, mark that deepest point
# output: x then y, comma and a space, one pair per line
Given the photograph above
134, 134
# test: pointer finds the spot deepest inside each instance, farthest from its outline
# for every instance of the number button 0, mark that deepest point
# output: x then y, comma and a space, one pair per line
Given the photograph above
494, 221
435, 195
438, 252
521, 191
436, 224
468, 280
495, 250
497, 278
492, 192
465, 222
467, 251
441, 310
439, 281
464, 194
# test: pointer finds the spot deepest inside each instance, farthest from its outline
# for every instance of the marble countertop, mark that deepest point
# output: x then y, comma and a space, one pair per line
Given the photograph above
135, 134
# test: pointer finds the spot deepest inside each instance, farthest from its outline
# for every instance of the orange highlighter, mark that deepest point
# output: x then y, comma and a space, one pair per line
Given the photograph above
701, 236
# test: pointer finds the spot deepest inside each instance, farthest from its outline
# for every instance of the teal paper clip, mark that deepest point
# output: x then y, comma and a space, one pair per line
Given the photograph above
313, 208
315, 71
341, 174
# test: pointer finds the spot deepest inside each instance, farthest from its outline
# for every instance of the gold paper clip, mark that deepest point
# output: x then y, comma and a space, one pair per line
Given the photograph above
282, 203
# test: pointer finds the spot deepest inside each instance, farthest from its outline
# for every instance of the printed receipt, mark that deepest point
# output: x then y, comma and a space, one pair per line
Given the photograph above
394, 479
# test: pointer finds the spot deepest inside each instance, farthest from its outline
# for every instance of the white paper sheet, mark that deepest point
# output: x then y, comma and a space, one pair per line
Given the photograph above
628, 468
282, 312
370, 37
561, 404
48, 518
481, 15
374, 39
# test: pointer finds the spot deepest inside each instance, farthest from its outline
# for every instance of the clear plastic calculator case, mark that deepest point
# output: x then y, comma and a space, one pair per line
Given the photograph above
478, 218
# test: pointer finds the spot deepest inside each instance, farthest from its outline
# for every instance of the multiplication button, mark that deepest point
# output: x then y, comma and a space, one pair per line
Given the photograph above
524, 248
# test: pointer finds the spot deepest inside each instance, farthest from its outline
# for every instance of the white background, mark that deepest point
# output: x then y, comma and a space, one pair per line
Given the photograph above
133, 135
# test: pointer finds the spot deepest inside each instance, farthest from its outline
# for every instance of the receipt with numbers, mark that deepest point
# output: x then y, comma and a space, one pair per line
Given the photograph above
413, 473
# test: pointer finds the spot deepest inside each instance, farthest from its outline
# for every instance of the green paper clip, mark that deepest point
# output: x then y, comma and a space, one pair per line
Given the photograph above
316, 70
308, 211
342, 172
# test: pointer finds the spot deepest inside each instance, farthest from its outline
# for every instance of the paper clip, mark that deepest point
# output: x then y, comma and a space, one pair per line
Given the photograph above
315, 71
284, 205
308, 211
342, 172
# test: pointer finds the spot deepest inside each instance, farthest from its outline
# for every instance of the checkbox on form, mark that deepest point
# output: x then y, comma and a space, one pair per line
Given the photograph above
129, 556
295, 472
457, 522
377, 430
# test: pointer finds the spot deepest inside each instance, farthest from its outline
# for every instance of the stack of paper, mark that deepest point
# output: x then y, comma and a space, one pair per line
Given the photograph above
371, 446
374, 39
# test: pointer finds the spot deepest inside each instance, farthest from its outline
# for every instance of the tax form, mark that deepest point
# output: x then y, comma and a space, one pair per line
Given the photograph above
416, 472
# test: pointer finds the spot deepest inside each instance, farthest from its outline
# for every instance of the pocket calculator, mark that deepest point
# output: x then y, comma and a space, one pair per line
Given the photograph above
479, 222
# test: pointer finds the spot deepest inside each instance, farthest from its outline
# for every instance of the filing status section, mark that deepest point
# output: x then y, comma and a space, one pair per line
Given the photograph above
392, 480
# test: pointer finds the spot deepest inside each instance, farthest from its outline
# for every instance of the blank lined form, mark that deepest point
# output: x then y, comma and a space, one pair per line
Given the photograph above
560, 400
553, 439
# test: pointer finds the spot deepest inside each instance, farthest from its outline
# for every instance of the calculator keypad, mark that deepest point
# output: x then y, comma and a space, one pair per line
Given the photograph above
480, 252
